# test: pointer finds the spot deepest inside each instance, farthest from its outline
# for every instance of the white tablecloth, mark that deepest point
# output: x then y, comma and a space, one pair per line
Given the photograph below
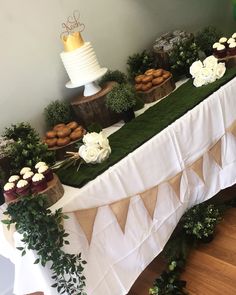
115, 259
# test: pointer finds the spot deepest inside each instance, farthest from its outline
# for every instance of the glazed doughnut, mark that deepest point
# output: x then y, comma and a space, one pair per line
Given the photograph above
166, 75
63, 132
149, 72
51, 134
51, 142
138, 87
146, 87
76, 135
72, 125
79, 128
147, 79
157, 81
58, 126
63, 141
158, 73
139, 78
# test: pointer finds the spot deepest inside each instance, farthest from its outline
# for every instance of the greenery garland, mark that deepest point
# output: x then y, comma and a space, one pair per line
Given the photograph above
43, 232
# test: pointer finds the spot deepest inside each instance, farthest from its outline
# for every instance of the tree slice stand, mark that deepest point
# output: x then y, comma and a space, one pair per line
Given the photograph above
92, 109
159, 91
230, 61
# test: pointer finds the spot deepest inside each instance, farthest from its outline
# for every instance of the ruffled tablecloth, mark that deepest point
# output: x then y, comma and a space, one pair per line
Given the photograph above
185, 164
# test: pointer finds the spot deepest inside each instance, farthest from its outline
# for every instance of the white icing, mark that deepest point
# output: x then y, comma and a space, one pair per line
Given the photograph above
231, 40
24, 170
28, 174
232, 45
221, 47
39, 164
8, 186
234, 35
14, 178
21, 183
37, 177
215, 45
81, 64
223, 40
42, 169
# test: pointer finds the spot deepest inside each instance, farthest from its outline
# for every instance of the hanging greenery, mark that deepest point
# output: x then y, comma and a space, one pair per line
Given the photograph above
43, 232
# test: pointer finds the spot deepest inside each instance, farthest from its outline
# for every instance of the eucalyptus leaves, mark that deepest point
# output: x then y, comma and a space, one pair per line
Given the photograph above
43, 232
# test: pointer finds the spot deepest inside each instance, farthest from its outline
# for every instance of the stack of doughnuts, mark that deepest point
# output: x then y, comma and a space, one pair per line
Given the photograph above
151, 78
62, 134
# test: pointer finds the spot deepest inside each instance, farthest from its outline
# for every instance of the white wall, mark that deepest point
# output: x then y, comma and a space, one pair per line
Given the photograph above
32, 74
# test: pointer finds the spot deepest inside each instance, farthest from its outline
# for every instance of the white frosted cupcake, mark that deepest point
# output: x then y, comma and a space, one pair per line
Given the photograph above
28, 176
232, 49
9, 191
214, 46
234, 35
22, 187
223, 41
221, 51
230, 40
14, 178
47, 172
24, 170
39, 182
39, 164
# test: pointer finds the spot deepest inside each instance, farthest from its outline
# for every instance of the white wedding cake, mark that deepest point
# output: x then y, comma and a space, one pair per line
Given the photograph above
80, 61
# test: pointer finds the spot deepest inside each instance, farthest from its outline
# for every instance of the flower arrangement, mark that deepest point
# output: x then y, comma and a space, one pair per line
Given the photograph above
207, 71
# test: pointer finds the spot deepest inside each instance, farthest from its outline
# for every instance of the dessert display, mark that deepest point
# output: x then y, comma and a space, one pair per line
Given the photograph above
39, 182
64, 134
46, 172
225, 47
9, 191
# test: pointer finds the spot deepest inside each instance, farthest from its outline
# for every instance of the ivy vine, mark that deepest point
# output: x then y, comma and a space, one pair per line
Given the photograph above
43, 232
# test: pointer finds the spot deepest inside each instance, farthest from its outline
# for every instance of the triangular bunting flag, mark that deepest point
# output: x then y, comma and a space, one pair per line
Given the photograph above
149, 199
175, 183
86, 219
120, 209
232, 129
197, 167
215, 152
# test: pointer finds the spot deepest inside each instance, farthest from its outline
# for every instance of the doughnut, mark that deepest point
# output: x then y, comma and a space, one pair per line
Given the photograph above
79, 128
63, 141
166, 75
58, 126
146, 87
72, 125
138, 87
51, 142
76, 135
149, 72
158, 73
147, 79
157, 81
63, 132
51, 134
139, 78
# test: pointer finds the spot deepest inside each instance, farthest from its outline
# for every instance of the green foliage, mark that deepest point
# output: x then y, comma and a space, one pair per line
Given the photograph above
201, 220
116, 76
43, 232
57, 112
183, 55
94, 127
139, 103
27, 149
140, 62
121, 98
206, 38
2, 181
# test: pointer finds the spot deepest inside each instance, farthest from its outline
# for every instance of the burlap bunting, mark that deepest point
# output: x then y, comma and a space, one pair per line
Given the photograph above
86, 219
175, 183
120, 210
197, 167
149, 199
215, 152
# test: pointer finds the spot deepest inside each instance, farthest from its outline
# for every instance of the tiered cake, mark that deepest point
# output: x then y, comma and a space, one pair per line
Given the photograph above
81, 63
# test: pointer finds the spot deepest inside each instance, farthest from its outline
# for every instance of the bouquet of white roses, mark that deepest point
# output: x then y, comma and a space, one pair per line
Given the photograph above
207, 71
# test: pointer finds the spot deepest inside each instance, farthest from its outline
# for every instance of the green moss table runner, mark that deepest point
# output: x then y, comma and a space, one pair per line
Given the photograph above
144, 127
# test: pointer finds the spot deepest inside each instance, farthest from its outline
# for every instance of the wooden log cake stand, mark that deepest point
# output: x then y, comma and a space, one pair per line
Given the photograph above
230, 61
159, 91
92, 109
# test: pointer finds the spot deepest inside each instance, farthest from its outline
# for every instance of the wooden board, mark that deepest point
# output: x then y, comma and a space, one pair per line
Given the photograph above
159, 91
92, 109
230, 61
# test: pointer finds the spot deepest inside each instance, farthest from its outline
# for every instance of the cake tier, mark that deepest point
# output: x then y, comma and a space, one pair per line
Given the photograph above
81, 64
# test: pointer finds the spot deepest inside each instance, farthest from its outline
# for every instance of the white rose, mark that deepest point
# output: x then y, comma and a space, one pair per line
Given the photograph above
89, 153
220, 70
210, 62
198, 81
91, 138
207, 75
195, 67
103, 141
103, 154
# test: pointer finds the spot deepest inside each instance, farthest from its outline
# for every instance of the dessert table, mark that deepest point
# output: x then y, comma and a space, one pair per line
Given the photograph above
121, 220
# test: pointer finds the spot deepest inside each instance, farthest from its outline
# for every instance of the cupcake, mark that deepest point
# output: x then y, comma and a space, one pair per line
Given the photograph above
215, 45
9, 191
39, 182
22, 187
232, 49
47, 172
14, 178
39, 164
234, 36
230, 40
28, 176
221, 51
24, 170
223, 41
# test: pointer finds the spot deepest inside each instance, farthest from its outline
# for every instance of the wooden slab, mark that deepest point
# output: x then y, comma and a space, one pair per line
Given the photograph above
230, 61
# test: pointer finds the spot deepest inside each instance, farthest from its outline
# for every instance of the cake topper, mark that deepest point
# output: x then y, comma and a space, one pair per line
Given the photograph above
72, 24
